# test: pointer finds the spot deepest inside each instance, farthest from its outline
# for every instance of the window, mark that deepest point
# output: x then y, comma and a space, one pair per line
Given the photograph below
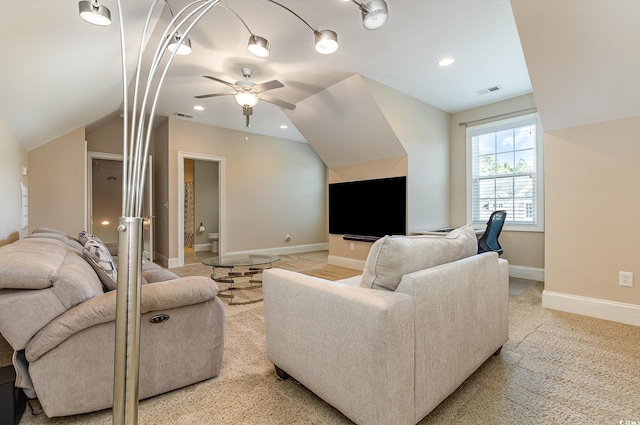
505, 164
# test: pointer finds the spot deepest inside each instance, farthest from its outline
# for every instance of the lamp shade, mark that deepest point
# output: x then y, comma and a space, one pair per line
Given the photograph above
183, 49
246, 99
94, 13
375, 14
259, 46
326, 42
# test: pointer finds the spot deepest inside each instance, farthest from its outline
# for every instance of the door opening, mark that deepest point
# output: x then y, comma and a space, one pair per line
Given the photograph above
200, 205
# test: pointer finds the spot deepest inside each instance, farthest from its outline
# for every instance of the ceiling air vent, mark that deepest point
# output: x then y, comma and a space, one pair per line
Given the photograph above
489, 90
182, 115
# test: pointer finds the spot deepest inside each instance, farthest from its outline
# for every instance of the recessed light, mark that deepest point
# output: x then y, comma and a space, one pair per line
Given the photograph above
105, 222
283, 126
198, 108
446, 61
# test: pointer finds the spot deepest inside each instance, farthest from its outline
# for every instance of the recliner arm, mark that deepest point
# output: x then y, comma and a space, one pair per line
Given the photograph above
102, 309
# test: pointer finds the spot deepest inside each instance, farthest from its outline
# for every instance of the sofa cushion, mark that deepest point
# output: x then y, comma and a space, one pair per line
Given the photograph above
392, 257
31, 263
97, 254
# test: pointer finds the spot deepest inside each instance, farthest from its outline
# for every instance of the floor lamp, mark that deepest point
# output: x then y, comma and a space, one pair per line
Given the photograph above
136, 139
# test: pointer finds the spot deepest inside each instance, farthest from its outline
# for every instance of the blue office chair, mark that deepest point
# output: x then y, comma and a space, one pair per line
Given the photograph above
489, 240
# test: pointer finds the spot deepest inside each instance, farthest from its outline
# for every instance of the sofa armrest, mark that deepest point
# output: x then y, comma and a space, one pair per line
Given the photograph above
351, 346
102, 309
461, 319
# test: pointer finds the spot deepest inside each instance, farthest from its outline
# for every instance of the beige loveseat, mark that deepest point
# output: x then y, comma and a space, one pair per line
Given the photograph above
60, 320
387, 347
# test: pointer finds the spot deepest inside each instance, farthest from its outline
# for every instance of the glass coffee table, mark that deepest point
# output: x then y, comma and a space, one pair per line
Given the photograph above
251, 266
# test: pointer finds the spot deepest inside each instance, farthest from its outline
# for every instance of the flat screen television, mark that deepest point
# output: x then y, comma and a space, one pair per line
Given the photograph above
368, 207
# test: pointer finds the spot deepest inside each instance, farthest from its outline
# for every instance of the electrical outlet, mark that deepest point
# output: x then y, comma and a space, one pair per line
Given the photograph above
625, 279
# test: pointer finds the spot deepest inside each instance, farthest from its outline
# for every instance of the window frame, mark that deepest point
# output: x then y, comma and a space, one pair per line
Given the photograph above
495, 126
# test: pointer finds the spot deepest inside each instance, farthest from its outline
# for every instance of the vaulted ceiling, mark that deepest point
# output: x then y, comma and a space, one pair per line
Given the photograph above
58, 72
62, 72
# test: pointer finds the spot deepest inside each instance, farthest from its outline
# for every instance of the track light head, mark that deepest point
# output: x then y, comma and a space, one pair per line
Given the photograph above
259, 46
94, 13
326, 41
184, 48
374, 14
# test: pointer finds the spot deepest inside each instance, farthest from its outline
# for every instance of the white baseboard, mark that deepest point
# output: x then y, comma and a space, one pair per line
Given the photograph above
162, 260
202, 247
522, 272
593, 307
284, 250
349, 263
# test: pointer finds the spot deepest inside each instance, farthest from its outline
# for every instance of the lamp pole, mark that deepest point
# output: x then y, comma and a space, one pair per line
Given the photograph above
136, 140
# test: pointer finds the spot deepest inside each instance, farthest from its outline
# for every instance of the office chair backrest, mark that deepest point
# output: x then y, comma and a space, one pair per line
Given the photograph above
489, 240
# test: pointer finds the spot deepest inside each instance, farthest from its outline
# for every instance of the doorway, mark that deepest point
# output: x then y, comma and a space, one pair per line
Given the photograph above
105, 196
201, 199
104, 200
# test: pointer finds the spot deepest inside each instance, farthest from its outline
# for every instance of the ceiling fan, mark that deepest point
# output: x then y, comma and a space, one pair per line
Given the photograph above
247, 93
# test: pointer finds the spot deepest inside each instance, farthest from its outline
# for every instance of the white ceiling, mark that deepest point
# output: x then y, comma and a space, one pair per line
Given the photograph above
58, 72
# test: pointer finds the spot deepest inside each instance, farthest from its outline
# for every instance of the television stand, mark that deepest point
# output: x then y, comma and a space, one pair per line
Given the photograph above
360, 238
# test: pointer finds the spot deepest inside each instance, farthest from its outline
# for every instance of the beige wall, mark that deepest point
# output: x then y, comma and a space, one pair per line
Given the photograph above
525, 249
592, 206
107, 139
12, 158
57, 189
423, 132
274, 187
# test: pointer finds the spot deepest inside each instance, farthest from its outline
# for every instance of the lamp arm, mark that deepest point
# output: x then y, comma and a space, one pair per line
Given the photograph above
139, 164
238, 16
131, 181
125, 97
201, 11
315, 31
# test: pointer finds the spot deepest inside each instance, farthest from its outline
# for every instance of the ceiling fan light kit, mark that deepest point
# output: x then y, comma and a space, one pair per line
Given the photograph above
94, 13
246, 99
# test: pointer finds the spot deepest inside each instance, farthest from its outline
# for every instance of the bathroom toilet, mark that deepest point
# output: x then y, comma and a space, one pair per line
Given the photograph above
213, 237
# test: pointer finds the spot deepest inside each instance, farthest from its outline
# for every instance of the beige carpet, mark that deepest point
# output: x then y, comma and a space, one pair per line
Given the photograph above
556, 368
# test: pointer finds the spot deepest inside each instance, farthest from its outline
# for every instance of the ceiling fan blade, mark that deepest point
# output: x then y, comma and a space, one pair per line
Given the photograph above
269, 85
205, 96
221, 81
278, 102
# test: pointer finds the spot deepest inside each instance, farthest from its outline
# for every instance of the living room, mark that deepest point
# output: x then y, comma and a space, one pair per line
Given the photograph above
591, 118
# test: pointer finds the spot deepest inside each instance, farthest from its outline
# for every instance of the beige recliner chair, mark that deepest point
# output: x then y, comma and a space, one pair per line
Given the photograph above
59, 320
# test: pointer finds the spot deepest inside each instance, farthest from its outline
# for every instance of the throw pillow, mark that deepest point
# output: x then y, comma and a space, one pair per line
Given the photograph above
102, 262
394, 256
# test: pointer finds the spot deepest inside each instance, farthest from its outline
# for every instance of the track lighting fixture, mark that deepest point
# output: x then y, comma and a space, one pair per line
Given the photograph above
326, 40
94, 13
183, 48
258, 46
375, 13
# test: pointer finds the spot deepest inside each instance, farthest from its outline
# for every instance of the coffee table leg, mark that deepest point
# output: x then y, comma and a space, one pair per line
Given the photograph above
230, 278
